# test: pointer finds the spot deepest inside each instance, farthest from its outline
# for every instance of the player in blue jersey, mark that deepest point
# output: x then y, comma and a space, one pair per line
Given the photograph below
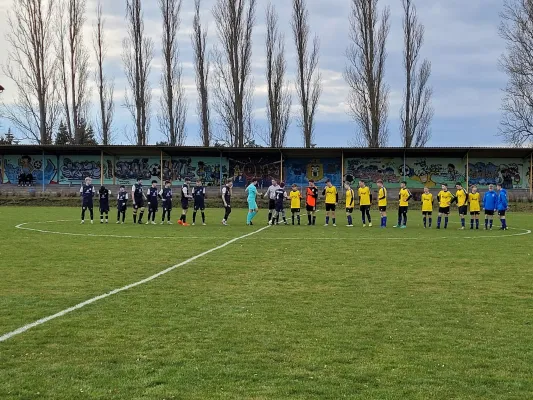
122, 204
153, 199
138, 196
104, 194
252, 202
502, 206
281, 196
490, 204
87, 193
199, 195
166, 195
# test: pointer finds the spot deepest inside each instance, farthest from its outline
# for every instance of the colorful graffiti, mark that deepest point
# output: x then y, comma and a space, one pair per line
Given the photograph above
370, 170
299, 171
208, 169
507, 172
77, 168
242, 170
128, 170
431, 172
33, 165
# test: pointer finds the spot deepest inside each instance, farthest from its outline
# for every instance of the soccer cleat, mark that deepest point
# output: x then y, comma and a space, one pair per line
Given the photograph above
370, 224
350, 226
251, 223
462, 228
185, 224
147, 223
92, 222
364, 225
154, 223
169, 223
118, 222
193, 224
326, 224
122, 222
224, 223
396, 226
82, 222
106, 221
403, 227
269, 223
162, 222
101, 221
180, 222
204, 224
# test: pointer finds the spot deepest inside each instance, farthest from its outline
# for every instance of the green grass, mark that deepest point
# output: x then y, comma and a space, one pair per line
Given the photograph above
288, 313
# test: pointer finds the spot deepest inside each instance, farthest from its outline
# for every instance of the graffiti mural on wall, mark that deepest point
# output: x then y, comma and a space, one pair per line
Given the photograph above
299, 171
432, 172
33, 165
507, 172
128, 170
370, 170
207, 169
76, 168
243, 169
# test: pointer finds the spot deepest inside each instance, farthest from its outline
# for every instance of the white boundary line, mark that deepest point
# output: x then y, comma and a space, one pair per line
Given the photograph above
23, 227
41, 321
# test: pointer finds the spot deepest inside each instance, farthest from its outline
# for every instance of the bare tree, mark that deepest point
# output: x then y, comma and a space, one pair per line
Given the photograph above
201, 63
279, 99
33, 69
308, 77
368, 100
74, 65
173, 103
105, 86
416, 112
233, 85
516, 29
137, 56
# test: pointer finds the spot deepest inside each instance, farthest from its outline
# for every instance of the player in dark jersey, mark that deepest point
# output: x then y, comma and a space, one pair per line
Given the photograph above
104, 194
87, 193
226, 200
122, 204
281, 196
185, 196
153, 198
137, 193
198, 194
166, 195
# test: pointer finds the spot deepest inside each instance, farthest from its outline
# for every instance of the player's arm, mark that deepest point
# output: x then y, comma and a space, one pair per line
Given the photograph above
352, 201
382, 197
455, 199
81, 190
160, 194
410, 195
94, 192
371, 198
224, 190
324, 192
204, 193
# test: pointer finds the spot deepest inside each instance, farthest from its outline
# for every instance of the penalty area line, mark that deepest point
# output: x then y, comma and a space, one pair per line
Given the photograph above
41, 321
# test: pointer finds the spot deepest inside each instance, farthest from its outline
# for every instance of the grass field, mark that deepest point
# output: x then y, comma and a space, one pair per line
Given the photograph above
285, 313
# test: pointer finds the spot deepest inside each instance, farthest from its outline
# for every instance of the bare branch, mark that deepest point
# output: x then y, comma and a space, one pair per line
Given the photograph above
368, 100
308, 85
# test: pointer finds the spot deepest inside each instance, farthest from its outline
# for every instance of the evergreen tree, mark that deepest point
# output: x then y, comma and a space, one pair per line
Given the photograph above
85, 135
63, 137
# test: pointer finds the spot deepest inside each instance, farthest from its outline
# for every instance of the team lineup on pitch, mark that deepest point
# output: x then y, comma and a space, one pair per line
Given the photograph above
471, 202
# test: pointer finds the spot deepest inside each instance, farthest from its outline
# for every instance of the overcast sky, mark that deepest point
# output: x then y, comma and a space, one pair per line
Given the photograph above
461, 42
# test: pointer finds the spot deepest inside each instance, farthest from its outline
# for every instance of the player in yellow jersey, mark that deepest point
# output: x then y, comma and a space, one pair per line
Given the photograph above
365, 200
382, 203
403, 205
445, 198
295, 196
332, 198
474, 199
427, 207
350, 203
461, 197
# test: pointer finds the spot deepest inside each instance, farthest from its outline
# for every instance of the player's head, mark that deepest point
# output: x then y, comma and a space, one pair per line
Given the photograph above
154, 183
458, 186
102, 189
88, 180
498, 186
347, 185
198, 182
139, 180
474, 189
491, 188
187, 180
282, 185
311, 183
328, 183
403, 184
379, 183
255, 181
426, 189
122, 188
229, 182
167, 184
362, 184
294, 187
274, 182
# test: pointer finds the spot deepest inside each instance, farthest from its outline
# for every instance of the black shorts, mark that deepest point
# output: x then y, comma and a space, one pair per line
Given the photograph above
104, 208
87, 206
279, 207
382, 208
331, 207
349, 210
184, 204
152, 207
474, 213
403, 209
489, 212
364, 208
310, 208
501, 213
444, 210
166, 205
138, 203
271, 205
427, 213
295, 210
463, 210
199, 206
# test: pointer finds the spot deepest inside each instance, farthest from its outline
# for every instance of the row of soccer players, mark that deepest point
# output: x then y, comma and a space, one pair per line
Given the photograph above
139, 196
492, 202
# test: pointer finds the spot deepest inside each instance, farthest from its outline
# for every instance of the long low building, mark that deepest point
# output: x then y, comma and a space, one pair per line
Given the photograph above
114, 165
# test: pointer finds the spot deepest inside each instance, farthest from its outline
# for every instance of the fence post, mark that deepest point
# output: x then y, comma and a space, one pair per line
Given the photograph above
43, 167
531, 175
467, 170
2, 169
281, 166
101, 168
161, 168
404, 165
220, 171
342, 170
113, 170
